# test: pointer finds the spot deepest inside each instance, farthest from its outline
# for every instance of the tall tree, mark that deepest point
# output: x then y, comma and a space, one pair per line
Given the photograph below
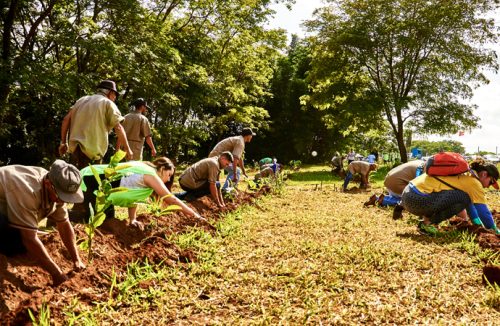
411, 61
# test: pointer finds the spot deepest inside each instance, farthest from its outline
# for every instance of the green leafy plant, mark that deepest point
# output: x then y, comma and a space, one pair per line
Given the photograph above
105, 189
155, 206
43, 316
295, 164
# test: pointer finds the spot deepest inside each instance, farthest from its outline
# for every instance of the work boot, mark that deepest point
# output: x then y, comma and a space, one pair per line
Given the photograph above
380, 200
398, 212
371, 201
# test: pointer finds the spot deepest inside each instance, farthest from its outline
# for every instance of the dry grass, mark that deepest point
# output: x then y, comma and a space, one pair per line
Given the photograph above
313, 257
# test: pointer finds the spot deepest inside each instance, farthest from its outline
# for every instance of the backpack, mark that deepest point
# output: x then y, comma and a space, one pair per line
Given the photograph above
446, 163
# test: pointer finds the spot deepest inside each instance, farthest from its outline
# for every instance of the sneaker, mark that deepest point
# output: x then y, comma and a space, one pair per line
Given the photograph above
380, 200
429, 230
371, 201
398, 212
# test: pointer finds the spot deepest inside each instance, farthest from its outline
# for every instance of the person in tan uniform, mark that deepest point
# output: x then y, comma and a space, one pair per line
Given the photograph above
84, 134
202, 178
361, 167
395, 182
138, 130
235, 145
27, 195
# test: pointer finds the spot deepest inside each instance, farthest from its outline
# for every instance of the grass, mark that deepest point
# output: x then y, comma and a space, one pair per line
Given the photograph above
316, 257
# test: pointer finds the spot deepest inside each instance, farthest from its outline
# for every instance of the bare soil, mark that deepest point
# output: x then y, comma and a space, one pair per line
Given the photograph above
23, 285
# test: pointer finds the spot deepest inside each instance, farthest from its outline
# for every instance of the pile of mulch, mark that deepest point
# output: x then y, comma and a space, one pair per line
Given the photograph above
25, 286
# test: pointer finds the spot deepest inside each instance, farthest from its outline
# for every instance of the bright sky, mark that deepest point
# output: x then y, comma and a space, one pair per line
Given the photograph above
487, 97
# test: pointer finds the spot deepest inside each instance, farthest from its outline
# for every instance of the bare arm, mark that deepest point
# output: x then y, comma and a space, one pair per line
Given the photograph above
122, 140
149, 141
159, 188
63, 147
37, 250
242, 166
236, 162
216, 195
68, 237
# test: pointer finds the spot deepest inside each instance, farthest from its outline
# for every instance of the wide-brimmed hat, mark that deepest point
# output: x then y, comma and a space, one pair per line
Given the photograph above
247, 132
66, 180
140, 101
108, 84
493, 173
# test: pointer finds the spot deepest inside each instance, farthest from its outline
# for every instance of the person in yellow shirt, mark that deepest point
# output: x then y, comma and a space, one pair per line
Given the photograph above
439, 198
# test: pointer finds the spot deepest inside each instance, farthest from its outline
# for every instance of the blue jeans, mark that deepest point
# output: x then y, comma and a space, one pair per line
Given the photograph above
347, 179
229, 179
391, 200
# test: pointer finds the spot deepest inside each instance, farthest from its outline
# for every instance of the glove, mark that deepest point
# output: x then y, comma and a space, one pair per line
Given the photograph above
476, 221
497, 230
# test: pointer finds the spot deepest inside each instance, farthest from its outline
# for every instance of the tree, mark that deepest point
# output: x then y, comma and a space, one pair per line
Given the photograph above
433, 147
412, 62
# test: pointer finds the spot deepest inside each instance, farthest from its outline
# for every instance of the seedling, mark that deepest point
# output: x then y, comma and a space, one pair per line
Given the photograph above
155, 206
105, 189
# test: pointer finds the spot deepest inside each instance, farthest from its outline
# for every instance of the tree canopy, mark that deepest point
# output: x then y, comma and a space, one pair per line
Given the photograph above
412, 62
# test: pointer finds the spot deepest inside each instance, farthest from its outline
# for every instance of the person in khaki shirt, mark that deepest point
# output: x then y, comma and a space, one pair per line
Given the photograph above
137, 128
395, 182
86, 128
361, 167
235, 145
202, 178
29, 194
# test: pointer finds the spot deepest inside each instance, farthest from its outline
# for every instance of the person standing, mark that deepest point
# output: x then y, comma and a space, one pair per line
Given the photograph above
235, 145
351, 156
84, 133
27, 195
138, 130
202, 178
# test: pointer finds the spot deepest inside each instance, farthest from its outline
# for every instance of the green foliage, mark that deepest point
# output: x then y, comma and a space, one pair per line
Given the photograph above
433, 147
155, 206
43, 316
295, 164
104, 190
409, 62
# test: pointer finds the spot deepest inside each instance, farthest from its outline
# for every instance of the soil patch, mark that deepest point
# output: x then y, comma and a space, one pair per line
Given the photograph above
25, 286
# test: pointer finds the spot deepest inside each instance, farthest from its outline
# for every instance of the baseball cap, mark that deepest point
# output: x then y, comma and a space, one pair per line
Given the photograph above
140, 101
66, 180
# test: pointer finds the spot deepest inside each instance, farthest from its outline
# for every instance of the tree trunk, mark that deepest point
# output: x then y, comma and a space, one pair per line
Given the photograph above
402, 147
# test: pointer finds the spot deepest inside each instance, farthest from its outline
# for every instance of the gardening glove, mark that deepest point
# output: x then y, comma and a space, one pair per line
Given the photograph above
476, 221
497, 230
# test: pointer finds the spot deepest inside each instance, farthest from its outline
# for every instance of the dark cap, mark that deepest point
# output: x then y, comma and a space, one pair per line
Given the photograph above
228, 155
66, 180
247, 132
493, 173
140, 101
108, 84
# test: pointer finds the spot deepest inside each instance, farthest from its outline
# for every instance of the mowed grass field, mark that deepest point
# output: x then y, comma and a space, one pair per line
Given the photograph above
310, 255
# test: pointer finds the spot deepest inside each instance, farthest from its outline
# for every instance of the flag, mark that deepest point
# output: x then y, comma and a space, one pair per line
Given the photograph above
461, 133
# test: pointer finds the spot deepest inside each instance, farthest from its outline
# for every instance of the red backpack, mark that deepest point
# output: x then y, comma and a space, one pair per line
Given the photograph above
446, 163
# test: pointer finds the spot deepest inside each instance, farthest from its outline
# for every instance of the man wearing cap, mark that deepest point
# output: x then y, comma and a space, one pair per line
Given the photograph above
88, 123
202, 178
137, 128
235, 145
28, 194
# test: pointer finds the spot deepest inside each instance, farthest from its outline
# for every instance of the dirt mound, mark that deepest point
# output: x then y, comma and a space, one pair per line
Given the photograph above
491, 274
25, 286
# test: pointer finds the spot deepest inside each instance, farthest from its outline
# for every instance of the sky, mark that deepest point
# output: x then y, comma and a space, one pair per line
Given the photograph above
486, 97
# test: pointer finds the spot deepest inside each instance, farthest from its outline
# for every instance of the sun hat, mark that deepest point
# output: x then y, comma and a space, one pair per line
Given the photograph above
247, 132
108, 84
66, 180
